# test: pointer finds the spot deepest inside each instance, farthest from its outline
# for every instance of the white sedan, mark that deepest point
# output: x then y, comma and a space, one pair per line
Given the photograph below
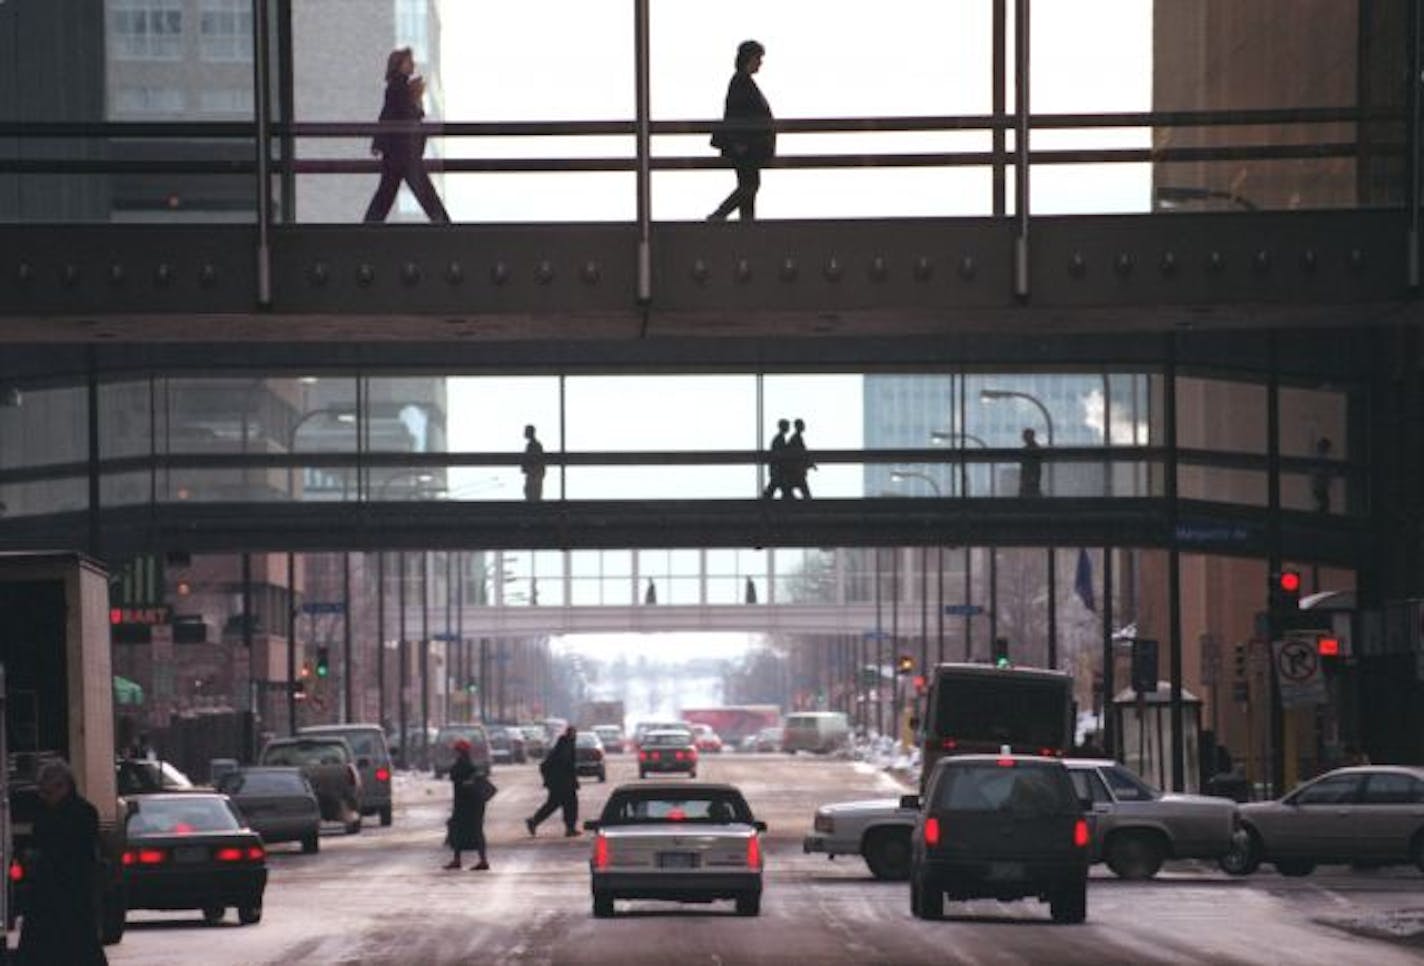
676, 842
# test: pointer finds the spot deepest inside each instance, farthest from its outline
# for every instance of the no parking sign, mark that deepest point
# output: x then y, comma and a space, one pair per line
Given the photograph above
1298, 672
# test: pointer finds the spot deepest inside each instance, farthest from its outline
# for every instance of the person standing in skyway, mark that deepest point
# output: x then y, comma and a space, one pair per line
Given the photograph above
532, 466
745, 137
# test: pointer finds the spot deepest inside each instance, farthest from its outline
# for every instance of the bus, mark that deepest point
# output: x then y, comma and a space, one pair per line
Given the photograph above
984, 708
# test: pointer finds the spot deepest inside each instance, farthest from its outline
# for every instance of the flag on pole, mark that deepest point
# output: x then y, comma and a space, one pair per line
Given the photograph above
1083, 581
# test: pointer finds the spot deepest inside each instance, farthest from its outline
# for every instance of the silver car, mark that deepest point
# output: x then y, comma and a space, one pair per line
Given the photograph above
1366, 816
879, 830
676, 842
1135, 827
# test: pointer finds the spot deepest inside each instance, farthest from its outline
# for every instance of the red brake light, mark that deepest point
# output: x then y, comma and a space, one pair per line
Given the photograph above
229, 855
642, 756
17, 871
1080, 833
676, 815
1004, 762
753, 853
182, 828
256, 853
932, 831
383, 774
600, 852
949, 744
680, 756
151, 856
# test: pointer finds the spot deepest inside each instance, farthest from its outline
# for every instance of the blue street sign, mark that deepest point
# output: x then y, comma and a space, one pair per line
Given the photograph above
444, 636
963, 610
324, 607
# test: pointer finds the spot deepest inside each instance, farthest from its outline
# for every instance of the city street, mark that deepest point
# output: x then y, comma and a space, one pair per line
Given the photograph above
381, 897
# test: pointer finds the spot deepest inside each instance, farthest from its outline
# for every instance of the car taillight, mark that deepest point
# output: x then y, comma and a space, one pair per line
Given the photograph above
600, 852
228, 855
145, 857
256, 853
932, 831
692, 752
826, 824
753, 853
17, 871
642, 756
1080, 833
1004, 762
681, 756
383, 774
597, 755
949, 744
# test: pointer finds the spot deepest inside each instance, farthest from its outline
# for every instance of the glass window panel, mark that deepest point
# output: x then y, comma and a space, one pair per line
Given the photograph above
48, 426
833, 408
58, 495
654, 413
488, 415
661, 482
1221, 414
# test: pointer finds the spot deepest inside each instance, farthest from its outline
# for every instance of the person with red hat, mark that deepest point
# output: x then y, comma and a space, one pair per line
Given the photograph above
471, 790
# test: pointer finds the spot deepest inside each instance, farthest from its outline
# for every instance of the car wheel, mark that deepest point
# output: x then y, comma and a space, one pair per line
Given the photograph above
212, 915
926, 899
249, 915
1244, 857
1069, 903
311, 843
385, 815
887, 853
749, 904
1135, 855
692, 774
602, 775
353, 826
602, 906
1295, 868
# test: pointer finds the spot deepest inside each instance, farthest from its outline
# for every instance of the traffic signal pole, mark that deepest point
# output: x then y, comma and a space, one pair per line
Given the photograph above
1273, 564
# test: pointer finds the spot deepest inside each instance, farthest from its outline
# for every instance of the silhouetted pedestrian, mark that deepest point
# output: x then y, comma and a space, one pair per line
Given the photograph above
651, 596
745, 137
798, 463
470, 790
776, 463
751, 595
532, 466
1320, 476
61, 922
402, 153
560, 772
1031, 466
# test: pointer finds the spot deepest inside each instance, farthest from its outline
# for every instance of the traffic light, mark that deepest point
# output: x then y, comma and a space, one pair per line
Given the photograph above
1144, 665
306, 670
907, 664
1285, 594
323, 661
1000, 652
1327, 647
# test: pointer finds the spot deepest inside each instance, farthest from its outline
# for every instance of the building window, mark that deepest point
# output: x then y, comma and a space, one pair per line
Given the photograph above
225, 31
226, 101
147, 101
146, 29
413, 27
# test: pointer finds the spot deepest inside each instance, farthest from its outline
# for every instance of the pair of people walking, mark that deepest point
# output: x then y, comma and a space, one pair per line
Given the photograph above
788, 462
471, 791
745, 138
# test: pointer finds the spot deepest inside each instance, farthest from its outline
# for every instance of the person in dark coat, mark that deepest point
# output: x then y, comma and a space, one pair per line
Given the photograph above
776, 463
61, 924
470, 791
1031, 466
745, 137
560, 771
533, 466
798, 463
402, 153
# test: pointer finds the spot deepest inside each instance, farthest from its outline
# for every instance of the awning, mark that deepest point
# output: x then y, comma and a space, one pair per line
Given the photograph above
126, 691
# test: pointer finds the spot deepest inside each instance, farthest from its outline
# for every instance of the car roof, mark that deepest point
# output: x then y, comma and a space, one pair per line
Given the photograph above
174, 796
317, 729
1416, 771
651, 789
1090, 762
994, 759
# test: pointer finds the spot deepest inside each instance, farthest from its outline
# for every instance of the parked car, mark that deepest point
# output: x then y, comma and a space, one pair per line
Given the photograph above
276, 803
877, 830
442, 753
1135, 826
644, 727
588, 756
1366, 816
767, 740
999, 827
190, 850
706, 739
536, 745
331, 771
682, 843
410, 748
373, 761
664, 751
819, 732
137, 776
612, 738
506, 744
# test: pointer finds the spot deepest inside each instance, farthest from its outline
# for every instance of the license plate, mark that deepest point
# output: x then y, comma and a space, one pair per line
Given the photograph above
190, 853
677, 860
1006, 871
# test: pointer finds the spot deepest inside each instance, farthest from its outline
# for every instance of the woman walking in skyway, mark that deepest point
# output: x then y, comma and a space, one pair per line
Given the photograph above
745, 137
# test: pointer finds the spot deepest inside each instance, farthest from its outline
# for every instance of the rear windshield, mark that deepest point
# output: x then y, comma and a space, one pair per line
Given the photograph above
667, 739
264, 783
1023, 788
587, 739
182, 816
712, 808
448, 736
307, 753
1013, 711
364, 744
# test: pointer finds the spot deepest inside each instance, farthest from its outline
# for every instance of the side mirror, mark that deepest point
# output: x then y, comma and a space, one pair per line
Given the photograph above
912, 802
759, 826
591, 825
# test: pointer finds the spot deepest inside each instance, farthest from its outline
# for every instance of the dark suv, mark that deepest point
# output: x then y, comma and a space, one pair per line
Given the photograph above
999, 827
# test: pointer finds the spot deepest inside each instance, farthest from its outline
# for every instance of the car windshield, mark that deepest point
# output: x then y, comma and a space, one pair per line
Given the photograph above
712, 808
264, 783
587, 739
1022, 788
666, 739
474, 735
307, 753
606, 733
181, 816
364, 744
1127, 787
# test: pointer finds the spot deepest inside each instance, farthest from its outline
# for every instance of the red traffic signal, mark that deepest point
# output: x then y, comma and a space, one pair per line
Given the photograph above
1288, 582
1327, 646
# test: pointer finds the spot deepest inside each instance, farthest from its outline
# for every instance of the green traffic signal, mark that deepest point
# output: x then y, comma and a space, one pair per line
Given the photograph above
323, 662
